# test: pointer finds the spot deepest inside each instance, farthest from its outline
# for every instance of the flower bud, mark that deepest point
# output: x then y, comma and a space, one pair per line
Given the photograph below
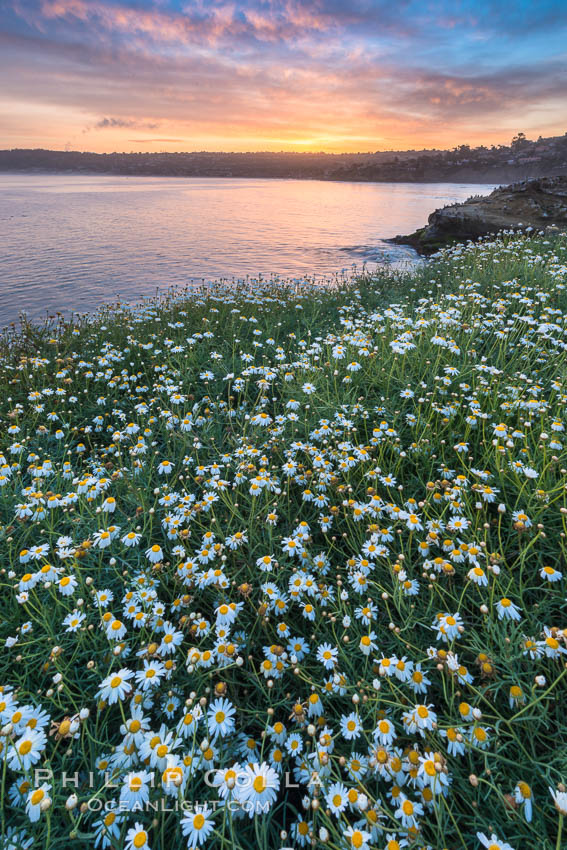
71, 802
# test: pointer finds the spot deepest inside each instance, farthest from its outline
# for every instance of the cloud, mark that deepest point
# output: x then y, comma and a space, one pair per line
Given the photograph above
256, 73
506, 91
152, 141
113, 123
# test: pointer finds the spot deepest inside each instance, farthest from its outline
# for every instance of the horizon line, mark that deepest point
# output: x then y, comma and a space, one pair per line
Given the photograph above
281, 151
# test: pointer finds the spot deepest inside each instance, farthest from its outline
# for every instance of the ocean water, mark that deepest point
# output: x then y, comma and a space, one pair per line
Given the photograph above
71, 243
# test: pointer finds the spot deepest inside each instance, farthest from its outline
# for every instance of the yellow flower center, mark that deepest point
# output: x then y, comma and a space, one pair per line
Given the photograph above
259, 784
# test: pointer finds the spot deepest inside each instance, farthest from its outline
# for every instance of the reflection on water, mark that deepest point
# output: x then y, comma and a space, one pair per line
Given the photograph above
71, 243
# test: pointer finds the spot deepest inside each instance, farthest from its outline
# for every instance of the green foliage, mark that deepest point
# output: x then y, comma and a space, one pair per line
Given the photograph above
375, 473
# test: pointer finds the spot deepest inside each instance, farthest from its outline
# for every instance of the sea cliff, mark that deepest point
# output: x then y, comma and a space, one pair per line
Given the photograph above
538, 204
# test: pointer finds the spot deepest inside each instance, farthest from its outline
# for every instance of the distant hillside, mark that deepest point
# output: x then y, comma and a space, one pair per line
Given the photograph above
521, 160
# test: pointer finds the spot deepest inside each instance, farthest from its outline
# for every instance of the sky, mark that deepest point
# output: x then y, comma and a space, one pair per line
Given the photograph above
305, 75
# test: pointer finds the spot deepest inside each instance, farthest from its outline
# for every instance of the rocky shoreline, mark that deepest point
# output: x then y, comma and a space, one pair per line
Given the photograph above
538, 204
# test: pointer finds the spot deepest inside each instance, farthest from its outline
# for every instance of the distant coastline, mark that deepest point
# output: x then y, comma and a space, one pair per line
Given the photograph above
522, 159
66, 172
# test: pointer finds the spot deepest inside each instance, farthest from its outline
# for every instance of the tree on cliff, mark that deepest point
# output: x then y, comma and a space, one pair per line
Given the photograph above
519, 141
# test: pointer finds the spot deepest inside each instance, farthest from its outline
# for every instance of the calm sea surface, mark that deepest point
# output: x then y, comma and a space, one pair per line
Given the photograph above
72, 243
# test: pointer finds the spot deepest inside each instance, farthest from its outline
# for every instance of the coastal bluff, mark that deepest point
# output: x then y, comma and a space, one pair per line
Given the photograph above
539, 204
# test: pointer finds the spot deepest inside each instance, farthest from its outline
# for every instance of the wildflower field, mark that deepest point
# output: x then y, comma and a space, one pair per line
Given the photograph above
285, 567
